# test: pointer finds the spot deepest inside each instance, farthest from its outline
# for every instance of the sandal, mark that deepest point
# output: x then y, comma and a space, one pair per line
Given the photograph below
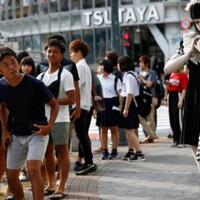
57, 195
48, 192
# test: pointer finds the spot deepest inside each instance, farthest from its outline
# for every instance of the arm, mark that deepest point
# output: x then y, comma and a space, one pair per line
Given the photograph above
46, 129
6, 136
68, 99
76, 113
181, 99
127, 105
176, 62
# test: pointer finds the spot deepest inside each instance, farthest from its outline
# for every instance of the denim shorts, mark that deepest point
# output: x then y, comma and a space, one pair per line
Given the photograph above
25, 148
60, 133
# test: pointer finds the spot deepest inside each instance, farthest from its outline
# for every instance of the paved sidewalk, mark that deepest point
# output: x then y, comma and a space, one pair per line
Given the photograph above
167, 174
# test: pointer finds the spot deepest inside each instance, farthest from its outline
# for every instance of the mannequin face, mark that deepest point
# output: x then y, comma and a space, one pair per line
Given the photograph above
197, 23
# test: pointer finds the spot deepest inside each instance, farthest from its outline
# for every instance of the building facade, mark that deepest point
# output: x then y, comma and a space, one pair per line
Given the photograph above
146, 26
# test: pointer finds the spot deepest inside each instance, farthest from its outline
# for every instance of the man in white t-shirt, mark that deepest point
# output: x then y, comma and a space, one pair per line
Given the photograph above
60, 83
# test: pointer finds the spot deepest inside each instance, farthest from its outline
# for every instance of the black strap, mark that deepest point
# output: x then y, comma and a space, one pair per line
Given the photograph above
59, 73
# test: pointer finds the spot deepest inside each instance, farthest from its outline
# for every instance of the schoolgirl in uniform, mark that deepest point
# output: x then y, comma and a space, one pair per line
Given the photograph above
109, 118
129, 114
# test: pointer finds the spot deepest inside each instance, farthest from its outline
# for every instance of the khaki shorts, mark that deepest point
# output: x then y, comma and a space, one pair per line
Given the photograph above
24, 148
60, 133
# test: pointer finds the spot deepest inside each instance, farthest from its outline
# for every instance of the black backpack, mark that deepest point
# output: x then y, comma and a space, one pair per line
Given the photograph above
144, 100
55, 85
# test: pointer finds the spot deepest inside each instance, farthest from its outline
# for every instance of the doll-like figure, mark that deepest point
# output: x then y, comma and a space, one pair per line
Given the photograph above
191, 57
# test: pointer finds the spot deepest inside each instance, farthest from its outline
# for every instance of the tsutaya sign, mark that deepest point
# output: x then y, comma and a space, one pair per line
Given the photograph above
149, 13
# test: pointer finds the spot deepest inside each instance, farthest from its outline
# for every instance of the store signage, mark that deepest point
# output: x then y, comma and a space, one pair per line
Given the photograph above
136, 14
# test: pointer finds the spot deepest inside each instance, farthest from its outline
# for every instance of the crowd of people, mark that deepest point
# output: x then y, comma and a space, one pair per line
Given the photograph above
41, 104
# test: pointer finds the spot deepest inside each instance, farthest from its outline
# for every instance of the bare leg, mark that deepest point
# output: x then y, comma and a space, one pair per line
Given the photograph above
34, 170
104, 138
51, 166
2, 163
115, 137
15, 184
64, 165
133, 139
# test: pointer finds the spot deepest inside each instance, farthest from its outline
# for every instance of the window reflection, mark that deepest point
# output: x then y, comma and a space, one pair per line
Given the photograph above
88, 37
126, 2
34, 7
75, 35
53, 6
26, 7
100, 3
100, 37
44, 6
87, 4
64, 5
36, 42
75, 4
27, 43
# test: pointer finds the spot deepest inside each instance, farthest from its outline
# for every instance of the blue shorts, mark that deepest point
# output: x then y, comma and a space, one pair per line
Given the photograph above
25, 148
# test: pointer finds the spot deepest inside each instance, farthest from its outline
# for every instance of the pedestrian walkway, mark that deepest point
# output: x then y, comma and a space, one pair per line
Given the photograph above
167, 174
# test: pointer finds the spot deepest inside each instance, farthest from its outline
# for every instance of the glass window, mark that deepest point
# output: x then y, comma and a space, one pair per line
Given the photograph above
53, 6
17, 9
27, 43
75, 4
64, 5
26, 7
36, 43
108, 3
126, 2
99, 3
88, 38
100, 38
75, 35
34, 7
87, 4
44, 39
44, 6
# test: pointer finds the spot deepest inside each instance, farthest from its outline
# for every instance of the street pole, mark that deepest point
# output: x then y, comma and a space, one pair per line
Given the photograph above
115, 35
116, 45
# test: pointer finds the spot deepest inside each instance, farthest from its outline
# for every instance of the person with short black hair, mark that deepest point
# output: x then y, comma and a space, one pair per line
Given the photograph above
27, 133
27, 66
109, 118
129, 114
60, 83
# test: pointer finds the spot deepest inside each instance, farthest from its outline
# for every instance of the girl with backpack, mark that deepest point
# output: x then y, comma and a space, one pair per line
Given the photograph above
129, 114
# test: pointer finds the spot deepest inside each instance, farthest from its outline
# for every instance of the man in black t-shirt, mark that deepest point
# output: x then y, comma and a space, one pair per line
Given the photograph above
27, 134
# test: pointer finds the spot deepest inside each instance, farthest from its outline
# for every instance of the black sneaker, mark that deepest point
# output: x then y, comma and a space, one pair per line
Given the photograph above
105, 156
77, 165
86, 168
113, 155
128, 155
137, 157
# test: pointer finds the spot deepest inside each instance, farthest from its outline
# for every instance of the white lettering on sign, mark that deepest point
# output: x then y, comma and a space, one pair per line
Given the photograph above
130, 16
141, 12
134, 14
153, 14
98, 18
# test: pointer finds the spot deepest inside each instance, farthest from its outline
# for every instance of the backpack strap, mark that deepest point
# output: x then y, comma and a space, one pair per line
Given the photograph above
115, 84
59, 74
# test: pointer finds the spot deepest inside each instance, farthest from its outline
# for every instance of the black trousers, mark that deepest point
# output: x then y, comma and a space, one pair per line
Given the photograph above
82, 127
174, 116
